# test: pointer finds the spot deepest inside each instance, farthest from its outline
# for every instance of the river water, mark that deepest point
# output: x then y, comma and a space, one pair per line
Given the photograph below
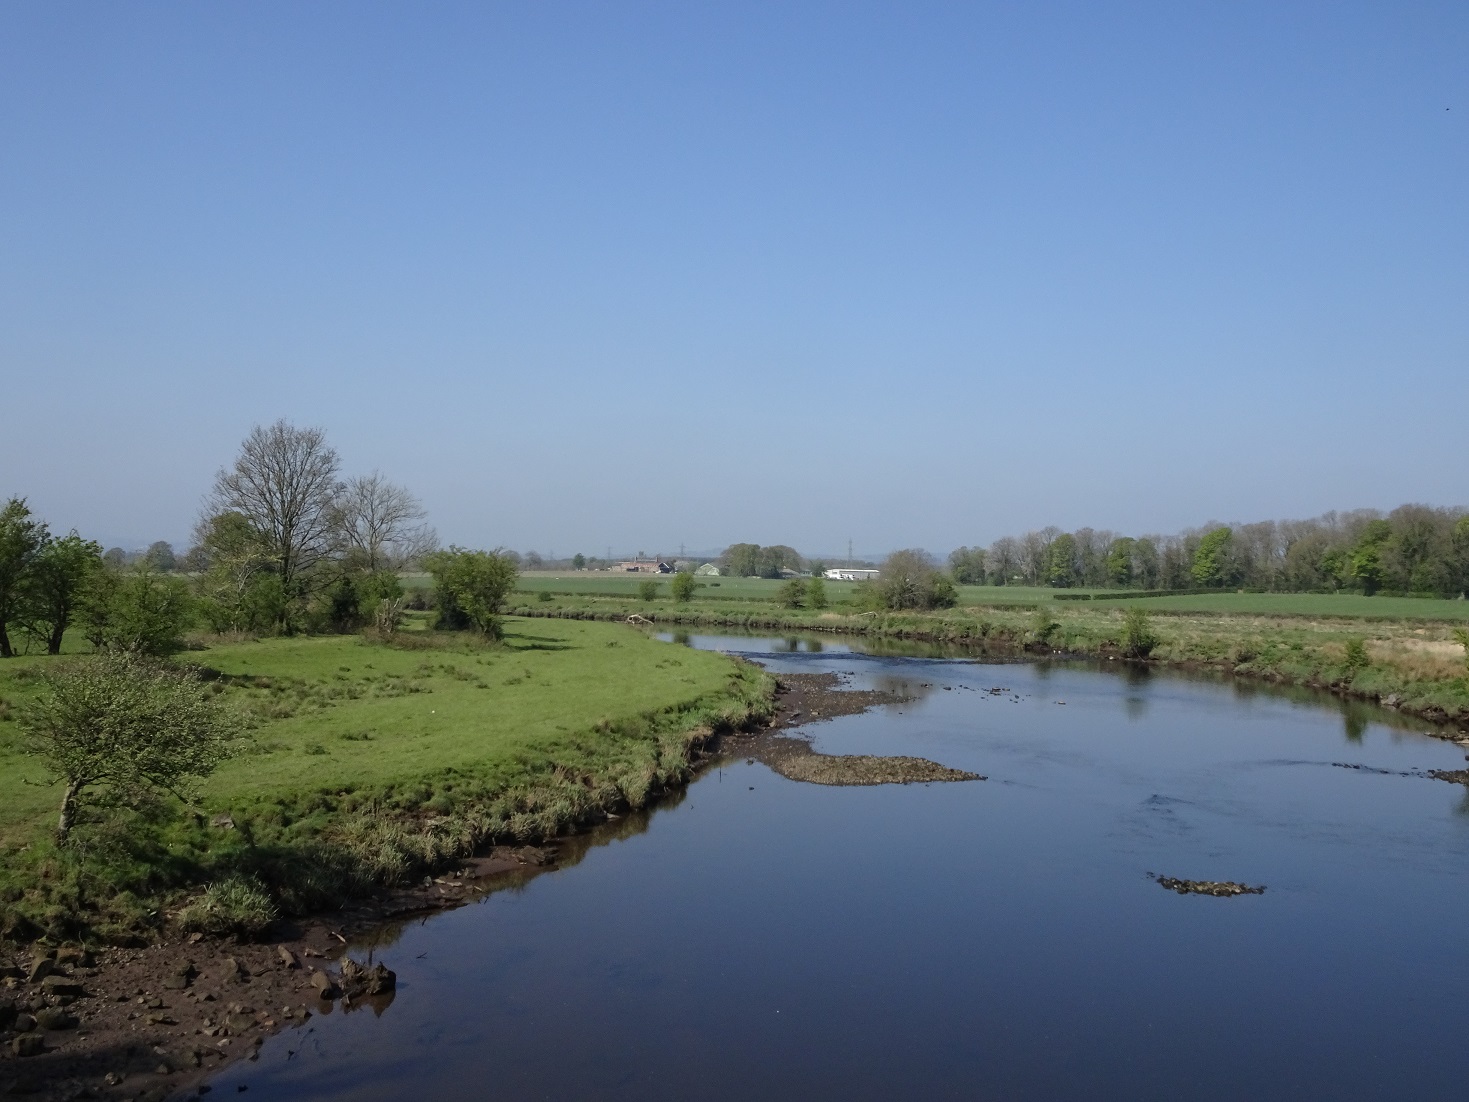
763, 938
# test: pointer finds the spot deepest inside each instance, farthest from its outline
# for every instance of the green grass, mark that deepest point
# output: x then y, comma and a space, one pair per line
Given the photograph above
369, 760
1349, 605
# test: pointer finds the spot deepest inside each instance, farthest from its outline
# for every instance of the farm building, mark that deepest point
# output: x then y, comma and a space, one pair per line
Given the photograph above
851, 574
708, 570
645, 566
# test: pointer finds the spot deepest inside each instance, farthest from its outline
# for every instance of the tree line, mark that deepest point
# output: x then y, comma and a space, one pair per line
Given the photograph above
1415, 550
284, 544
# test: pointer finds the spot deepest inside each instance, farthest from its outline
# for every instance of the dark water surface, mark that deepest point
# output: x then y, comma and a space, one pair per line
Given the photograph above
762, 938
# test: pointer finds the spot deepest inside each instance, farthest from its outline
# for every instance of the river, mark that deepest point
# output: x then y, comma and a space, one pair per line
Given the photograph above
764, 938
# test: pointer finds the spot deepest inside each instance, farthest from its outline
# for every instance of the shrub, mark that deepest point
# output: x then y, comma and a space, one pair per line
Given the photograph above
238, 907
1356, 655
793, 593
1462, 636
683, 588
1042, 626
647, 591
544, 596
1138, 640
816, 593
471, 587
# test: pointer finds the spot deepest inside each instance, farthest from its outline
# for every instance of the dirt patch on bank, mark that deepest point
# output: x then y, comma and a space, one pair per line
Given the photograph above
154, 1022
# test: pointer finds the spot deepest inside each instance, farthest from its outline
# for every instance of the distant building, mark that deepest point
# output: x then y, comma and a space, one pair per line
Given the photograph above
645, 566
852, 574
708, 570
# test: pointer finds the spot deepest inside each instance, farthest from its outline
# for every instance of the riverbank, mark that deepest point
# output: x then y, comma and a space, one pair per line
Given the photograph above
154, 1021
1415, 667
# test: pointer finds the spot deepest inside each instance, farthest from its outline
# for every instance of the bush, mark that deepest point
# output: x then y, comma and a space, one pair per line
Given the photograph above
683, 588
816, 593
238, 907
1138, 640
1042, 626
1463, 637
793, 593
471, 587
647, 591
141, 612
544, 596
1356, 655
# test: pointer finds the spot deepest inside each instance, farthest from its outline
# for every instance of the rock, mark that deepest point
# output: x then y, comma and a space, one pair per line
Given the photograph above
1392, 700
42, 968
74, 955
287, 957
62, 985
1207, 887
53, 1017
233, 971
181, 977
11, 972
23, 1023
381, 979
325, 987
28, 1044
239, 1023
8, 1013
160, 1019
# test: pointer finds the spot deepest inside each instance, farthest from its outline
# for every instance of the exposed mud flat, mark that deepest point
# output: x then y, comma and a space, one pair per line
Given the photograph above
862, 769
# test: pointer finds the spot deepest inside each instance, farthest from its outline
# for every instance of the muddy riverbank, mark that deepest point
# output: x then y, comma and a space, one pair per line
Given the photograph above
154, 1022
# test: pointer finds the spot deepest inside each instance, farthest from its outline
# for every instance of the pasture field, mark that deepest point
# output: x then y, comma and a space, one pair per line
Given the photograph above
348, 733
1320, 605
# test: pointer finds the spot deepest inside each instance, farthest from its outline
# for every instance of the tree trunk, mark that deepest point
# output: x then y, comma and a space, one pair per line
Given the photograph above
68, 811
53, 641
5, 651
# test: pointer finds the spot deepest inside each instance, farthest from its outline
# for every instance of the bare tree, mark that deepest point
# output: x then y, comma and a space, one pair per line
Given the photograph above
284, 483
383, 523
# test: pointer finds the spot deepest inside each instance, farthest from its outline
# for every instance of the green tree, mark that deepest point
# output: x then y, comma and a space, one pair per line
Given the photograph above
741, 560
816, 592
137, 611
474, 584
1211, 565
793, 593
683, 588
127, 725
21, 539
909, 579
578, 561
1366, 562
56, 588
647, 591
160, 557
967, 565
1138, 638
1061, 561
1119, 561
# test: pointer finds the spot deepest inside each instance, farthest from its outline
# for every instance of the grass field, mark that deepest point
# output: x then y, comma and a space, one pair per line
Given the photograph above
765, 590
524, 737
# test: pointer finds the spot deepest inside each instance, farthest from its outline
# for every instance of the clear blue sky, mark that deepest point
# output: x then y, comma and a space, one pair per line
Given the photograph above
641, 274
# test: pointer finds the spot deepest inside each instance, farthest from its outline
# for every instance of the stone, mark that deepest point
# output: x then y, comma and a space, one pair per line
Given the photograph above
28, 1044
74, 955
53, 1017
8, 1013
62, 985
324, 985
23, 1023
381, 979
161, 1019
40, 970
239, 1023
287, 957
233, 971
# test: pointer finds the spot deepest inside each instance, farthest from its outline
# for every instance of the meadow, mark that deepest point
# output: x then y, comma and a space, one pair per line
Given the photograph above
365, 760
766, 590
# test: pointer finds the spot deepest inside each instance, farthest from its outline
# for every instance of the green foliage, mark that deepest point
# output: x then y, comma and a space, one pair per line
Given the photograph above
236, 906
647, 591
793, 593
1463, 637
750, 560
1365, 562
1043, 626
1356, 655
1138, 638
56, 586
909, 580
1119, 563
21, 539
471, 586
1061, 562
126, 724
816, 593
1211, 565
160, 557
967, 565
136, 611
683, 588
578, 561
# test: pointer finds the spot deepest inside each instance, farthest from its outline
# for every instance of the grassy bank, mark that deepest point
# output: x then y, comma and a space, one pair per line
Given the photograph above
368, 763
1414, 665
